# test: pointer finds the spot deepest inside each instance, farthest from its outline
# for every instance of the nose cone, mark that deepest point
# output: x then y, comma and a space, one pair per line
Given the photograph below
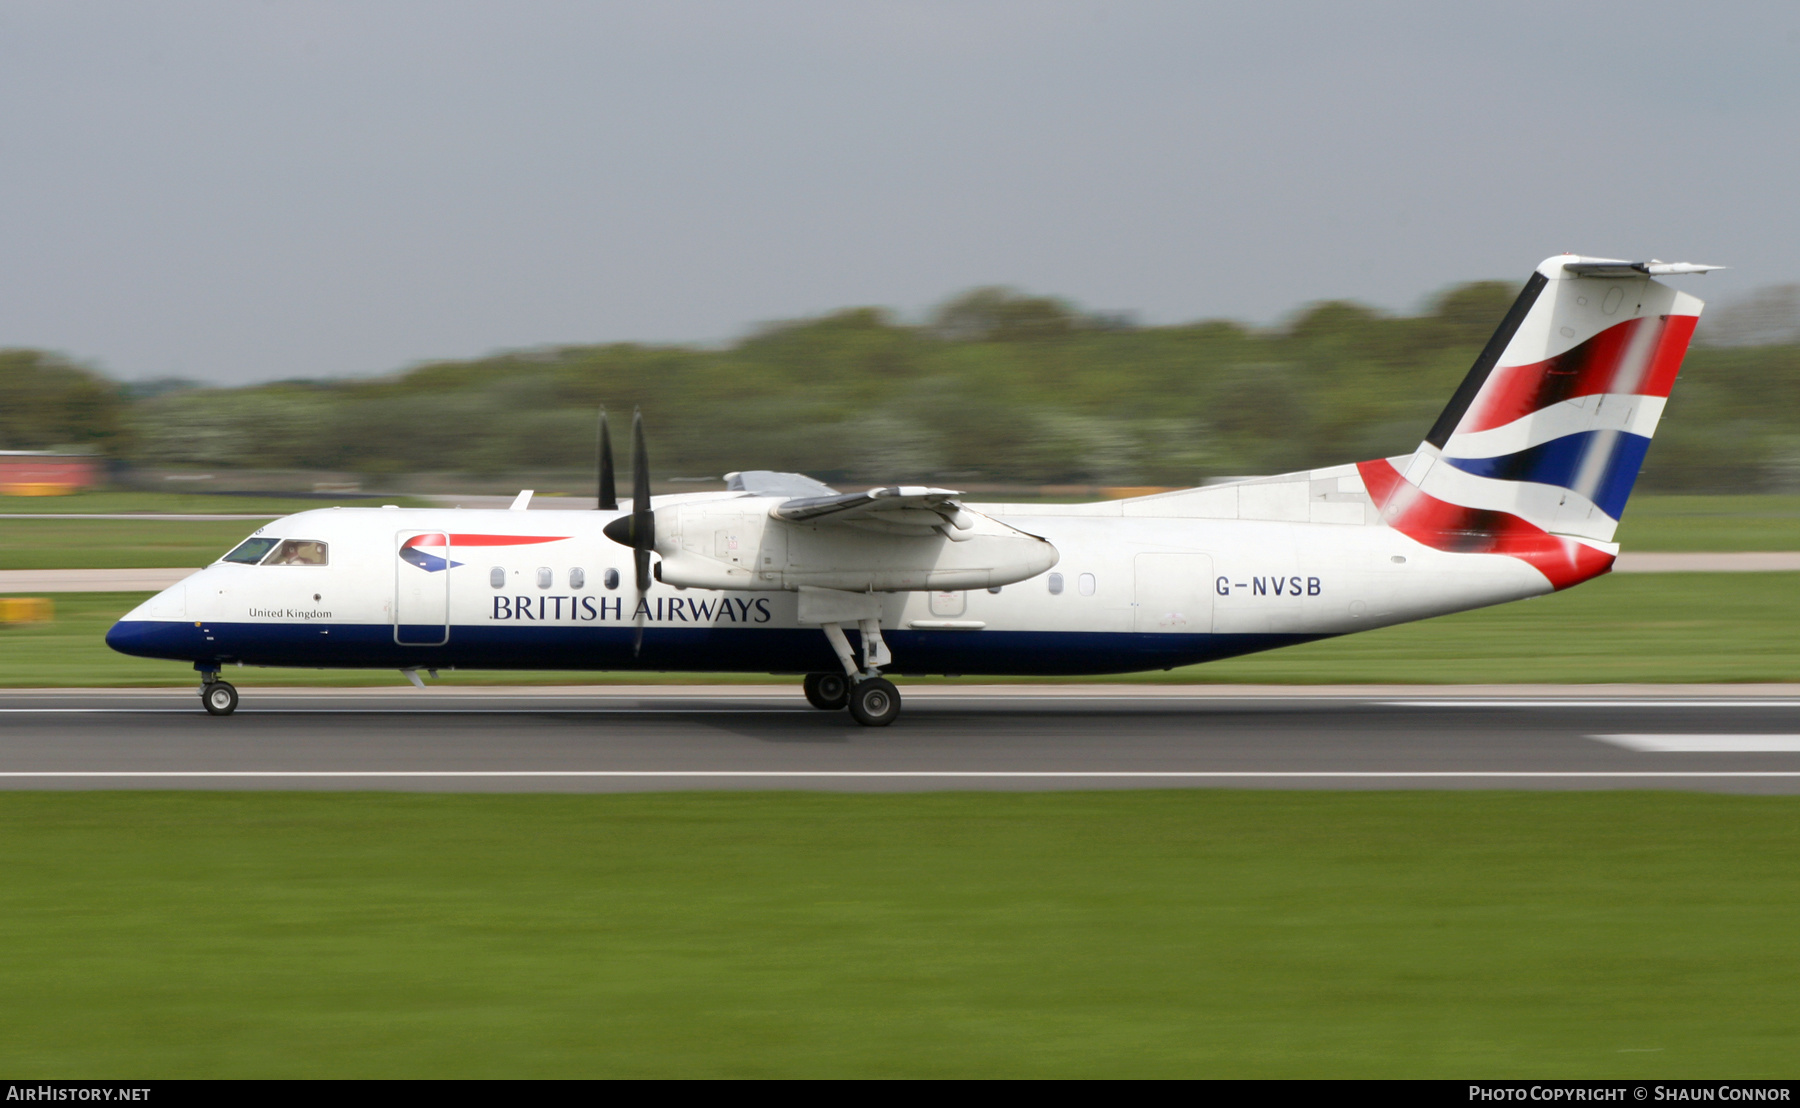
157, 628
139, 638
634, 529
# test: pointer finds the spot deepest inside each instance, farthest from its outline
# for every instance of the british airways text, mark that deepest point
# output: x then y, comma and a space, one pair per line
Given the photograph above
660, 609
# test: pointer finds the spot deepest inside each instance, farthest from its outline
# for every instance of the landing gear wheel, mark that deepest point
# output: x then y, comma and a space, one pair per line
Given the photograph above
827, 691
219, 698
874, 702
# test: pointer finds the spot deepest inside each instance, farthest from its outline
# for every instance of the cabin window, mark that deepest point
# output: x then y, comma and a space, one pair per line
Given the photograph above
1055, 584
578, 578
1085, 584
612, 578
546, 577
250, 551
497, 577
298, 552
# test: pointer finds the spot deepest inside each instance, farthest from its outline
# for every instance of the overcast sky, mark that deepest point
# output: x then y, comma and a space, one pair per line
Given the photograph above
242, 191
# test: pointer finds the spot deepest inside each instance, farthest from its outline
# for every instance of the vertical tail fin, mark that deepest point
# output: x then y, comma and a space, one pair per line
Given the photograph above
1538, 449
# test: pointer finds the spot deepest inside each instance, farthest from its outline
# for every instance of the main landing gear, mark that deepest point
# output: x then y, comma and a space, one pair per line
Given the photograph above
216, 696
872, 699
827, 691
874, 702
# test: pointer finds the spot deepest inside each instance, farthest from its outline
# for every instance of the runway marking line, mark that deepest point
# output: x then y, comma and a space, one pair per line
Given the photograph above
1657, 703
892, 774
796, 710
1705, 744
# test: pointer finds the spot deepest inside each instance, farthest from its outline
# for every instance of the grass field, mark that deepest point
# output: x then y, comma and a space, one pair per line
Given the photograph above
181, 503
1651, 627
1662, 522
117, 544
1198, 933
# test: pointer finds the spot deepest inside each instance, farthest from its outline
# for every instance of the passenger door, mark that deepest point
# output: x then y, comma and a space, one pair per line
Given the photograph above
1173, 594
422, 588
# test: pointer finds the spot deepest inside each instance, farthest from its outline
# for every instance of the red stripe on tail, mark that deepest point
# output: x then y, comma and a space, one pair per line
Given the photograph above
1586, 369
1442, 525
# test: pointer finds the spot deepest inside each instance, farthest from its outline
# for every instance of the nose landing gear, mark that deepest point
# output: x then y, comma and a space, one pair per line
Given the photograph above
216, 696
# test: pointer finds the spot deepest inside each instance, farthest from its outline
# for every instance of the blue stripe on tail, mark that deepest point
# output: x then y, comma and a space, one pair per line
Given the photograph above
1560, 462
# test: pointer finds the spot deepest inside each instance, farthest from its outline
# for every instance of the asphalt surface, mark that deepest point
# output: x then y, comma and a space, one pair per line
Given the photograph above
949, 737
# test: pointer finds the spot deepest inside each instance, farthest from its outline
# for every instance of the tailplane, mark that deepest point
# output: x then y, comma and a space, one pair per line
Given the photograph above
1540, 446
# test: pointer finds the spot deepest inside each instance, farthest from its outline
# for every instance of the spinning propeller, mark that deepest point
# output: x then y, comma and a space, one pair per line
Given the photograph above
638, 529
609, 493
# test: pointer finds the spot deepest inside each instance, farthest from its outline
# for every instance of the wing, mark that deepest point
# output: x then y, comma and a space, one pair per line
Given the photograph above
764, 482
907, 507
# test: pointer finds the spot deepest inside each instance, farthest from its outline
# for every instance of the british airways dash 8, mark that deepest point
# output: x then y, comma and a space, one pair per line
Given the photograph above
1516, 491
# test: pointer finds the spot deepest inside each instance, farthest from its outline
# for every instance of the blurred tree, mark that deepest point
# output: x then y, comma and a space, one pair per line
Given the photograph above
1767, 317
1471, 312
996, 386
997, 314
46, 402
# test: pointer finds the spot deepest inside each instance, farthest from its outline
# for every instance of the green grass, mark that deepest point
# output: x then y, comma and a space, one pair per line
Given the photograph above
1199, 933
180, 503
1649, 627
1709, 523
116, 544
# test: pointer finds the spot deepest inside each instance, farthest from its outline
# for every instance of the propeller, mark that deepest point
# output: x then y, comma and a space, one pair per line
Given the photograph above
609, 493
638, 529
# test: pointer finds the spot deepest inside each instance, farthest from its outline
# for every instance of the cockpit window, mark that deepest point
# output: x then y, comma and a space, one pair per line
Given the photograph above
250, 551
297, 552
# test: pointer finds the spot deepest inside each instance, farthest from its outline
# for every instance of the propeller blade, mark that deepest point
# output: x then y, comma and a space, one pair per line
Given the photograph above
643, 519
609, 493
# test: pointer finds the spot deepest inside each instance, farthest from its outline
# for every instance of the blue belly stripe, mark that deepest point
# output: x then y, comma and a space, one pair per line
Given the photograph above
687, 649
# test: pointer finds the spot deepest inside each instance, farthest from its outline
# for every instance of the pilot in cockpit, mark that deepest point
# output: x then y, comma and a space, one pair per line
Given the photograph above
298, 552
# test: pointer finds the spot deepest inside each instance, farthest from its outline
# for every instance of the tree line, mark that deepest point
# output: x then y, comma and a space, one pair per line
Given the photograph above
995, 386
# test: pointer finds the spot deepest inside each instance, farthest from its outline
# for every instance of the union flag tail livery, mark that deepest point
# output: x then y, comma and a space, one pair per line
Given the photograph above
1515, 492
1537, 451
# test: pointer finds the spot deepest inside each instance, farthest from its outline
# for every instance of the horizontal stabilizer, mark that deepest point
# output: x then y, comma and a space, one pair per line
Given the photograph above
1614, 267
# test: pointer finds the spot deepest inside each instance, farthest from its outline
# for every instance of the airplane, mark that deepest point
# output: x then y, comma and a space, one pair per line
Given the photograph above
1515, 491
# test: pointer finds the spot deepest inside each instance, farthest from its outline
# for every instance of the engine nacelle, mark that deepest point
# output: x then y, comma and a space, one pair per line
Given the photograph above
736, 544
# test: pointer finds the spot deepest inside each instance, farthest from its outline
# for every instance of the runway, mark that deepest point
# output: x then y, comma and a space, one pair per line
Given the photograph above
612, 739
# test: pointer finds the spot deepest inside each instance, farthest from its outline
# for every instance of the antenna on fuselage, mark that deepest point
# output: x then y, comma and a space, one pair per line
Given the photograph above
609, 492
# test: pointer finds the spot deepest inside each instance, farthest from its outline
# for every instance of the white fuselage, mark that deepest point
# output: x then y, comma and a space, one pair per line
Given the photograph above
1127, 593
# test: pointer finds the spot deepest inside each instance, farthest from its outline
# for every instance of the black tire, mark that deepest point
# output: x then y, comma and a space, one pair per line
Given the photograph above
828, 692
219, 698
875, 702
